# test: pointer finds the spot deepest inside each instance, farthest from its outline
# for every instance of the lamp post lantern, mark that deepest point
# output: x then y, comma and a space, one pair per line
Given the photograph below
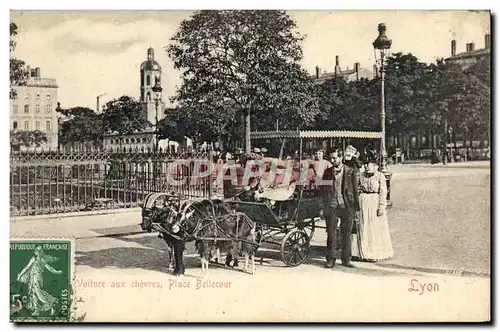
157, 89
382, 46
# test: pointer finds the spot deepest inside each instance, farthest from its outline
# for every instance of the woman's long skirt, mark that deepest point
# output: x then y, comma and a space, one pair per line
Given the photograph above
373, 239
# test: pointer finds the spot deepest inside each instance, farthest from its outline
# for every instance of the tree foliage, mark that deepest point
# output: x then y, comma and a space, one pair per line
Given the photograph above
82, 125
349, 106
171, 127
407, 95
18, 72
418, 96
463, 96
27, 138
124, 116
235, 62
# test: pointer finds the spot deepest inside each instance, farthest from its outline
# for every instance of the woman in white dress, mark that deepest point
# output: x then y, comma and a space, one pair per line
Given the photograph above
373, 239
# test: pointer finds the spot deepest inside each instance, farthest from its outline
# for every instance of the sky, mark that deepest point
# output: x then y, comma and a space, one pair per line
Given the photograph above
91, 53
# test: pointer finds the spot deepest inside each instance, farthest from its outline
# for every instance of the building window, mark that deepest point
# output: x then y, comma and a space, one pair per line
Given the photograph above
126, 141
15, 109
132, 140
14, 125
148, 80
47, 125
26, 109
26, 125
37, 125
37, 108
48, 108
37, 96
47, 96
149, 96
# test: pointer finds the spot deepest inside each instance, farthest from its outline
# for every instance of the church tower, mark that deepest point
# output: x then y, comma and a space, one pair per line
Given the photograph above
150, 74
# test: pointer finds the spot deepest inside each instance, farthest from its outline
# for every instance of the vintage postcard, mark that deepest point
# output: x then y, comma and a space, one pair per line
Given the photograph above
250, 166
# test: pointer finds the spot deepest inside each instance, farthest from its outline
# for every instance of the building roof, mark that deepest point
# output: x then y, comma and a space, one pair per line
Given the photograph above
348, 75
150, 65
471, 54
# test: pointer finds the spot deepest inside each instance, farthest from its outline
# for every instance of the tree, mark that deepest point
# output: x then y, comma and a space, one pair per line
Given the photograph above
236, 62
481, 72
479, 119
407, 95
83, 125
18, 72
463, 98
124, 116
349, 106
169, 128
27, 138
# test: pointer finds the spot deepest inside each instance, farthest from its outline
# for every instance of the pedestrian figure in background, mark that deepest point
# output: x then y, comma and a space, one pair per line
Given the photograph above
257, 151
434, 157
373, 239
341, 201
317, 169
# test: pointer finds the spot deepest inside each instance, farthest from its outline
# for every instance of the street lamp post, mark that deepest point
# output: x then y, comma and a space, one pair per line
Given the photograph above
450, 135
157, 89
58, 112
383, 45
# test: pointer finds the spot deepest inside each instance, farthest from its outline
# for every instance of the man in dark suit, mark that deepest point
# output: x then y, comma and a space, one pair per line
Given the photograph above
341, 200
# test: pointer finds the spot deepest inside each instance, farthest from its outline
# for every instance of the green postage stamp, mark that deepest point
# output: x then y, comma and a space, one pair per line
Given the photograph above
41, 275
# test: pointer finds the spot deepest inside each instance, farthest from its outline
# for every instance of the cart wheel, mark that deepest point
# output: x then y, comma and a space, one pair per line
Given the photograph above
295, 247
308, 228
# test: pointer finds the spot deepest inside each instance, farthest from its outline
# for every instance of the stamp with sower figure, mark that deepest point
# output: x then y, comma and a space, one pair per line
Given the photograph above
41, 274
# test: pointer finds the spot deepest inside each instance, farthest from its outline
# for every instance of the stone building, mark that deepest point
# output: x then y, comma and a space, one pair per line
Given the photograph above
34, 107
471, 54
153, 110
151, 75
353, 74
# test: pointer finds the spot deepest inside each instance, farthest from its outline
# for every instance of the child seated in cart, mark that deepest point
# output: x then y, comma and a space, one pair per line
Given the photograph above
275, 184
278, 180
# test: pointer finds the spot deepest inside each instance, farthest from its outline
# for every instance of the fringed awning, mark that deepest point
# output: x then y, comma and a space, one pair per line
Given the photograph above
316, 134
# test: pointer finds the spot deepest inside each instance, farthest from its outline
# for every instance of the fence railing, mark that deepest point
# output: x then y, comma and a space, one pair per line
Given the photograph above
48, 183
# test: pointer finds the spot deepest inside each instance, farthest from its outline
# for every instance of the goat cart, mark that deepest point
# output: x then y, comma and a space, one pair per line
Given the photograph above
289, 224
285, 213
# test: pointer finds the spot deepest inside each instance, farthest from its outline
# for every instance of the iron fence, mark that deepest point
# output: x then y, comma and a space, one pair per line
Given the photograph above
55, 182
